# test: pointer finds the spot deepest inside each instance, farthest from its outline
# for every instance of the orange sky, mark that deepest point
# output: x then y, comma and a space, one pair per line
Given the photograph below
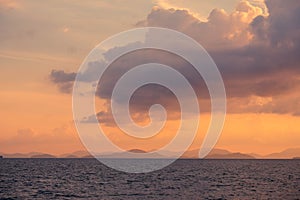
37, 116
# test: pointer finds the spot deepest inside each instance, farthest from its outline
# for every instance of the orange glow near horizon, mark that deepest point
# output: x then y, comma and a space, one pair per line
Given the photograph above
36, 112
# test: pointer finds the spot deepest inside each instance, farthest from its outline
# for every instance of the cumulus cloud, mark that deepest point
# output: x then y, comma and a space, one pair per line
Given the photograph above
257, 55
221, 29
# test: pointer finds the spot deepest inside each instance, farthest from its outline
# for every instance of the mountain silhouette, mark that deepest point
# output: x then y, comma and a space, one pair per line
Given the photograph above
43, 156
139, 153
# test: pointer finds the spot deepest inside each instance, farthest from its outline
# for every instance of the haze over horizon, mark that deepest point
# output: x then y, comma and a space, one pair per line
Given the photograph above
255, 45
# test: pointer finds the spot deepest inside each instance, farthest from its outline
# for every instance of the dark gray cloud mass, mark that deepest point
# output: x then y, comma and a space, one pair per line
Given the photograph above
267, 66
63, 79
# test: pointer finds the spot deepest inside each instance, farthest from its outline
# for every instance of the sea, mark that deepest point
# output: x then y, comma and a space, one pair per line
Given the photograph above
184, 179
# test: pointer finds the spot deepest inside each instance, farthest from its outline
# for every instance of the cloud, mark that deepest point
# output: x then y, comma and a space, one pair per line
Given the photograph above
63, 80
283, 22
221, 29
102, 117
257, 55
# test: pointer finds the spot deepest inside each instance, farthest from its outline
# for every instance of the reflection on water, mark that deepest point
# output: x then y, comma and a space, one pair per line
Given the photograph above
184, 179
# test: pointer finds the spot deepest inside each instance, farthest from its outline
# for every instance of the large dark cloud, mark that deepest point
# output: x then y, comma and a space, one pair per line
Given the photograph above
258, 57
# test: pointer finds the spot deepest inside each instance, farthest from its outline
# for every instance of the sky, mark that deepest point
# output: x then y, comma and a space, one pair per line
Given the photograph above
255, 45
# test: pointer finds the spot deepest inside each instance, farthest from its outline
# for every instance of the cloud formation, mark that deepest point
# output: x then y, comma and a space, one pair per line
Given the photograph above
257, 55
63, 79
221, 29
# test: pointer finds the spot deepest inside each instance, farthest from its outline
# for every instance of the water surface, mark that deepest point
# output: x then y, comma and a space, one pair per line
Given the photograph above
184, 179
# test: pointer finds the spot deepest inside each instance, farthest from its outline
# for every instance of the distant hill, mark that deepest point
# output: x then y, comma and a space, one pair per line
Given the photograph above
70, 156
138, 154
76, 154
229, 156
218, 154
137, 151
292, 153
88, 156
255, 155
195, 153
43, 156
286, 154
21, 155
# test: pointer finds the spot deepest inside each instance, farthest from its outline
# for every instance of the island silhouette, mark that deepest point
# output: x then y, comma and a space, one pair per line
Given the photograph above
291, 153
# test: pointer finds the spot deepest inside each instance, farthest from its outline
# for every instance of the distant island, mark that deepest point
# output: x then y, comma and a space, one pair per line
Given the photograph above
292, 153
133, 153
137, 151
71, 156
43, 156
230, 156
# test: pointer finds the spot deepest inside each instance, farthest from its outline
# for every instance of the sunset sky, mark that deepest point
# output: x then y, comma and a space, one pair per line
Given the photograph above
256, 46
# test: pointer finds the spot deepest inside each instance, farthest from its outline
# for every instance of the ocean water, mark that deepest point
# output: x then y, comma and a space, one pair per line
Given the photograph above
184, 179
